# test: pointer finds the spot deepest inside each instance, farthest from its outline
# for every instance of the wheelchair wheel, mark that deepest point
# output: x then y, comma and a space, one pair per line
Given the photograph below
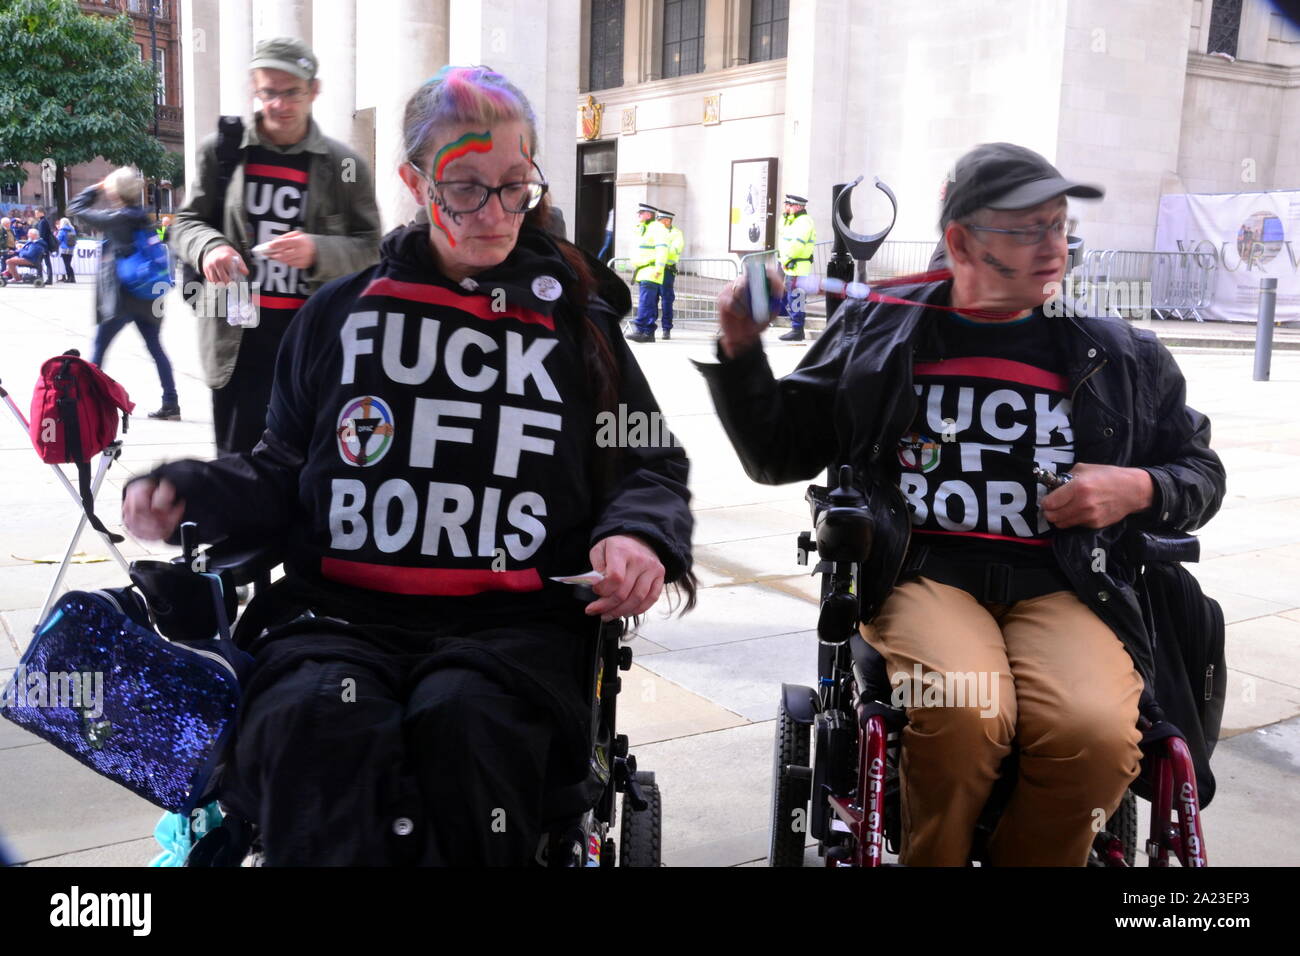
1124, 824
39, 282
640, 835
3, 282
789, 791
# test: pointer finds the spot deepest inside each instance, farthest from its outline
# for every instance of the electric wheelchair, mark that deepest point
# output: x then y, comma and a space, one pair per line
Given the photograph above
841, 787
578, 819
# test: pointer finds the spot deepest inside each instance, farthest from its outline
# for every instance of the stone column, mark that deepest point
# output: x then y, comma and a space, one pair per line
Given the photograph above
236, 50
533, 45
824, 142
726, 34
396, 53
200, 77
334, 26
282, 18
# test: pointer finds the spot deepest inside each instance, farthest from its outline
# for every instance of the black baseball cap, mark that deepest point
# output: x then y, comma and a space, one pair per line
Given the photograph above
1005, 176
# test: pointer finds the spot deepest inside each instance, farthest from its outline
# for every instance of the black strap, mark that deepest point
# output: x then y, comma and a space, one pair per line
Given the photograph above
230, 132
67, 413
990, 583
88, 503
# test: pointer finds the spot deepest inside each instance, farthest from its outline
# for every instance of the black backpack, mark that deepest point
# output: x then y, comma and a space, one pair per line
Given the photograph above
230, 130
1191, 680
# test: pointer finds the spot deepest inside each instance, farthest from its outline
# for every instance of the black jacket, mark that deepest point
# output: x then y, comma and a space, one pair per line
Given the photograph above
119, 226
851, 398
446, 378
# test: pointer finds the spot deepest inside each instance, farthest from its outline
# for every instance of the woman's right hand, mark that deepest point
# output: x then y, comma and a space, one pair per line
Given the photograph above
151, 509
224, 264
738, 332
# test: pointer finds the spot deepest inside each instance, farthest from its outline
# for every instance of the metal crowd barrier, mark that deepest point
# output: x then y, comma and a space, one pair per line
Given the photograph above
893, 258
900, 257
695, 290
1128, 282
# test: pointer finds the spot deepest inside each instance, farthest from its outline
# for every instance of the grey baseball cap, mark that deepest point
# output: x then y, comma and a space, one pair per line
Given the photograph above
287, 54
1005, 176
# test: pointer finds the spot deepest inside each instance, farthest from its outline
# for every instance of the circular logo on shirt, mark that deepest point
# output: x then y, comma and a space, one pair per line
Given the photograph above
365, 431
917, 452
547, 288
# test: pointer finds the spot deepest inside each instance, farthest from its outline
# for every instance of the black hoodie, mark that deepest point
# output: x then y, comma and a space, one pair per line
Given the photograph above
431, 447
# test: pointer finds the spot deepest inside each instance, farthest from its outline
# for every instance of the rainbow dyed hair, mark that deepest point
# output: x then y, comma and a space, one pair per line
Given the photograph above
458, 96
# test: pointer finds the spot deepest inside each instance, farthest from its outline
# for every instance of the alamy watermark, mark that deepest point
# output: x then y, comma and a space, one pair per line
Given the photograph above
1087, 298
626, 428
75, 690
924, 688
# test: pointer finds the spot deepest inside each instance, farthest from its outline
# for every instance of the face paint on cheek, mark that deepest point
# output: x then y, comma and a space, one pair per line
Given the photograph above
1001, 267
435, 215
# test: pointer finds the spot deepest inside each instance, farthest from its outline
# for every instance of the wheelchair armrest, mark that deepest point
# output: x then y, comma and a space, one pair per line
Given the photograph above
240, 562
1149, 547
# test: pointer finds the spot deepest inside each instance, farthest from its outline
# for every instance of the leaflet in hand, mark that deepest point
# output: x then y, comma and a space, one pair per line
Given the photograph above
587, 577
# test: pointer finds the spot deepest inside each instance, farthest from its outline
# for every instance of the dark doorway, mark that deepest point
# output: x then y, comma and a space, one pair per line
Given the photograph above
597, 167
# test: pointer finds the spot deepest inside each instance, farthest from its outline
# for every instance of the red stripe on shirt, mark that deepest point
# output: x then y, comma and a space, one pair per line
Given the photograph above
267, 171
1042, 542
439, 582
476, 305
1004, 370
278, 301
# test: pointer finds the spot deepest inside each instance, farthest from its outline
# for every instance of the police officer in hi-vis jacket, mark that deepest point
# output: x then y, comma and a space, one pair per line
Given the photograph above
794, 250
676, 243
649, 261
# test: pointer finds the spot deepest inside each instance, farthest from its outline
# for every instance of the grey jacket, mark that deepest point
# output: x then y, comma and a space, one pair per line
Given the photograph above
341, 216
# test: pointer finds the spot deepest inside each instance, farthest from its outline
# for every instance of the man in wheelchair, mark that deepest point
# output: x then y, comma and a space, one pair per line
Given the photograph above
431, 461
958, 408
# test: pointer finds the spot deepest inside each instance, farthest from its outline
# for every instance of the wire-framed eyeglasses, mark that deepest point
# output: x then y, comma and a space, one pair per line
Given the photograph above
292, 95
1030, 235
466, 196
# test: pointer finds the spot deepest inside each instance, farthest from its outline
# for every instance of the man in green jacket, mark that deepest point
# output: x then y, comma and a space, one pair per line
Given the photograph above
298, 211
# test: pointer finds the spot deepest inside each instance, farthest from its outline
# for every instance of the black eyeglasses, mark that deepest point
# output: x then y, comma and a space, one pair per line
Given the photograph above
1030, 236
466, 196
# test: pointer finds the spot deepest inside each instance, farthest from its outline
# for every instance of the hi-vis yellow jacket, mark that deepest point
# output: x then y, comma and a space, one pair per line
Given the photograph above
651, 253
794, 247
676, 244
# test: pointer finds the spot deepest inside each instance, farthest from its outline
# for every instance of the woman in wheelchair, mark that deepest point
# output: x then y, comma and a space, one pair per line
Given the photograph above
431, 461
943, 396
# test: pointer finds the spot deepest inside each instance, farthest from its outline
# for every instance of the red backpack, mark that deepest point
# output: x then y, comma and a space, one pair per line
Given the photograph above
74, 417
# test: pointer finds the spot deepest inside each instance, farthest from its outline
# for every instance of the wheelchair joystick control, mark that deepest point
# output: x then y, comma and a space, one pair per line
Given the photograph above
189, 540
846, 496
845, 530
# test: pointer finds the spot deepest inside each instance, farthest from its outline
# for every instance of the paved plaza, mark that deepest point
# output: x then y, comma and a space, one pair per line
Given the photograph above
700, 700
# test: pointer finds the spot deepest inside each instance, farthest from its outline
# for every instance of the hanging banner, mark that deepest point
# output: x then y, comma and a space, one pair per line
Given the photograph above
1250, 235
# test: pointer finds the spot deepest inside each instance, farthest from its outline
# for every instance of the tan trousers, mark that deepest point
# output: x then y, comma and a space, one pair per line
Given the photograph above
1046, 673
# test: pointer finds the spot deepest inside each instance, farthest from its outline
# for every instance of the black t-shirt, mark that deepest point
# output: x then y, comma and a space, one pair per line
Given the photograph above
992, 407
275, 201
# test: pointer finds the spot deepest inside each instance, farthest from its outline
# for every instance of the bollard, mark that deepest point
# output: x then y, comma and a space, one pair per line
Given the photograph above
1264, 327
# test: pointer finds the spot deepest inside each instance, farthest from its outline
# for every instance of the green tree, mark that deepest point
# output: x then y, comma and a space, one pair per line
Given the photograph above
74, 88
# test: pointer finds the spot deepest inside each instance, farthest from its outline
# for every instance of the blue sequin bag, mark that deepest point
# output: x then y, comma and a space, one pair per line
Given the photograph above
152, 714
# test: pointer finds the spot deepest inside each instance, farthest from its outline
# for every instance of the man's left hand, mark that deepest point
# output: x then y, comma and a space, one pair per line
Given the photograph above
1098, 496
295, 249
634, 577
